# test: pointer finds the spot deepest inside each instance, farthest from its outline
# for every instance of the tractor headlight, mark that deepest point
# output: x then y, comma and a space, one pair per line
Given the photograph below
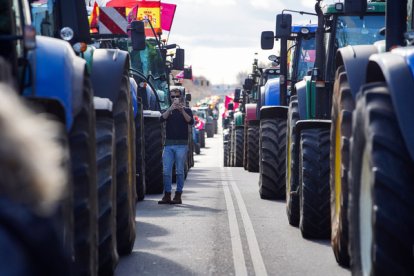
66, 33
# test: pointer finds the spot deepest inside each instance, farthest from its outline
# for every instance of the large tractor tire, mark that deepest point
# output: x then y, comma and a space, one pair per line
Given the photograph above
140, 153
125, 169
202, 138
245, 149
341, 131
292, 165
85, 194
315, 219
272, 156
232, 144
210, 130
252, 155
105, 156
153, 155
239, 147
381, 206
215, 126
226, 154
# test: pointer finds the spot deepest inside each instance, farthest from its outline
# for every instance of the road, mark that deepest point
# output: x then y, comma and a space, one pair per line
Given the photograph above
222, 228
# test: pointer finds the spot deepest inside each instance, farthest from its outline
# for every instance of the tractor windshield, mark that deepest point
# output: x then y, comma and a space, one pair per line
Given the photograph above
354, 30
150, 63
307, 56
43, 13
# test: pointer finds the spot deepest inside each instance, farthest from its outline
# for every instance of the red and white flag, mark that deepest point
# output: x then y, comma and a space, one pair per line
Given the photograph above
112, 20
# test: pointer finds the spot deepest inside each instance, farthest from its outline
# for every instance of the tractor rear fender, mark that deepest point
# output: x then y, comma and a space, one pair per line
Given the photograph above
271, 92
251, 112
58, 75
300, 88
272, 112
108, 68
396, 69
353, 58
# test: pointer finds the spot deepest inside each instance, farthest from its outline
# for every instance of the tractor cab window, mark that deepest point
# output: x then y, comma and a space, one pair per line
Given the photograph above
150, 63
354, 30
44, 13
307, 57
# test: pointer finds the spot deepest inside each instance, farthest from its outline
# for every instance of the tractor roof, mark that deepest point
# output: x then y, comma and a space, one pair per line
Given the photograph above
373, 7
298, 28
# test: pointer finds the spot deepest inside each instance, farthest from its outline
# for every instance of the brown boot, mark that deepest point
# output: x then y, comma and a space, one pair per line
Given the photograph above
177, 198
166, 198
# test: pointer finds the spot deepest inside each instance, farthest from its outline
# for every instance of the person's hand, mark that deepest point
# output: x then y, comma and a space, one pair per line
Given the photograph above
180, 107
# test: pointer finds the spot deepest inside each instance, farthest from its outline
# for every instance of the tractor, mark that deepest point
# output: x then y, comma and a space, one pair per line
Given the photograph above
53, 78
309, 163
373, 153
113, 98
297, 51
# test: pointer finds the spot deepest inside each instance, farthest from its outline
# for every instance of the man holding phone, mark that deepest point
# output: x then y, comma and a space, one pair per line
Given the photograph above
177, 118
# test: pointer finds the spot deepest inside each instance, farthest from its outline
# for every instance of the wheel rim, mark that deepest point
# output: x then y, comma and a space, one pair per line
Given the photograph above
365, 215
338, 158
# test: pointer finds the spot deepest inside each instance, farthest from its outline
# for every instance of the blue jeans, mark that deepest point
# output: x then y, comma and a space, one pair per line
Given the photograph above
174, 154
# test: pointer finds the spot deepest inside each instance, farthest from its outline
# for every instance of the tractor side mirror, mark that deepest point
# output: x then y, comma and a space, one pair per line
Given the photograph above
283, 25
237, 94
188, 97
138, 35
230, 106
178, 61
248, 84
188, 73
353, 6
267, 40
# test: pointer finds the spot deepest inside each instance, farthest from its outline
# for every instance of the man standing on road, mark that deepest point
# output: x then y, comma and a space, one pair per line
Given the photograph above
177, 118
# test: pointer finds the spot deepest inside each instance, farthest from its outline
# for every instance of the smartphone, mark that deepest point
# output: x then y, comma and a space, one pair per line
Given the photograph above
176, 100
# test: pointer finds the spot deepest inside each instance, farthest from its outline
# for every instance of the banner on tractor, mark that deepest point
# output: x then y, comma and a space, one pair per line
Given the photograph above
112, 21
167, 15
150, 10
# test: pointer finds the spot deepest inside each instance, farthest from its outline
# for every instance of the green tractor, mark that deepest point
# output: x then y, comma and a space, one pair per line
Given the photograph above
312, 202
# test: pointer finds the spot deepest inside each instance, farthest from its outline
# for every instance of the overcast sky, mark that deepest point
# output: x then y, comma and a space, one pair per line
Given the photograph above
221, 36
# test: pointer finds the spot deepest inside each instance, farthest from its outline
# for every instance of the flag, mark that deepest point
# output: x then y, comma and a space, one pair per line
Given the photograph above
122, 3
167, 15
93, 20
150, 10
180, 75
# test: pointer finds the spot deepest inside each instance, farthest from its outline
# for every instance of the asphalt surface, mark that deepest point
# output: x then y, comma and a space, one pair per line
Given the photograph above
222, 228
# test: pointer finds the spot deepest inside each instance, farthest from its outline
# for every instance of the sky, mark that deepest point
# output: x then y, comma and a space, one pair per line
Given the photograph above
221, 37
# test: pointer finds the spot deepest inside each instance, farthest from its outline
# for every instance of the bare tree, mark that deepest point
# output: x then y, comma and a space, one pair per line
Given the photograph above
241, 76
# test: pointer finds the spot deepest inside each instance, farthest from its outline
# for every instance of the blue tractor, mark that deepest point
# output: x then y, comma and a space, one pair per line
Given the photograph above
58, 79
297, 56
378, 154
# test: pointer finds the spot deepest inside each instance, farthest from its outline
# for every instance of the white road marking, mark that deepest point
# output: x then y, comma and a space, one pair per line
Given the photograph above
236, 243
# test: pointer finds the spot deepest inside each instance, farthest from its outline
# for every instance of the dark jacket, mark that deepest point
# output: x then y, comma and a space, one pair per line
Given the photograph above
176, 130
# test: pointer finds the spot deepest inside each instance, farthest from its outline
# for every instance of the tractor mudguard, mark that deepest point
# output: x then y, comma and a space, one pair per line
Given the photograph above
251, 112
397, 70
134, 89
308, 124
58, 75
238, 119
108, 68
300, 88
354, 58
271, 92
271, 112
